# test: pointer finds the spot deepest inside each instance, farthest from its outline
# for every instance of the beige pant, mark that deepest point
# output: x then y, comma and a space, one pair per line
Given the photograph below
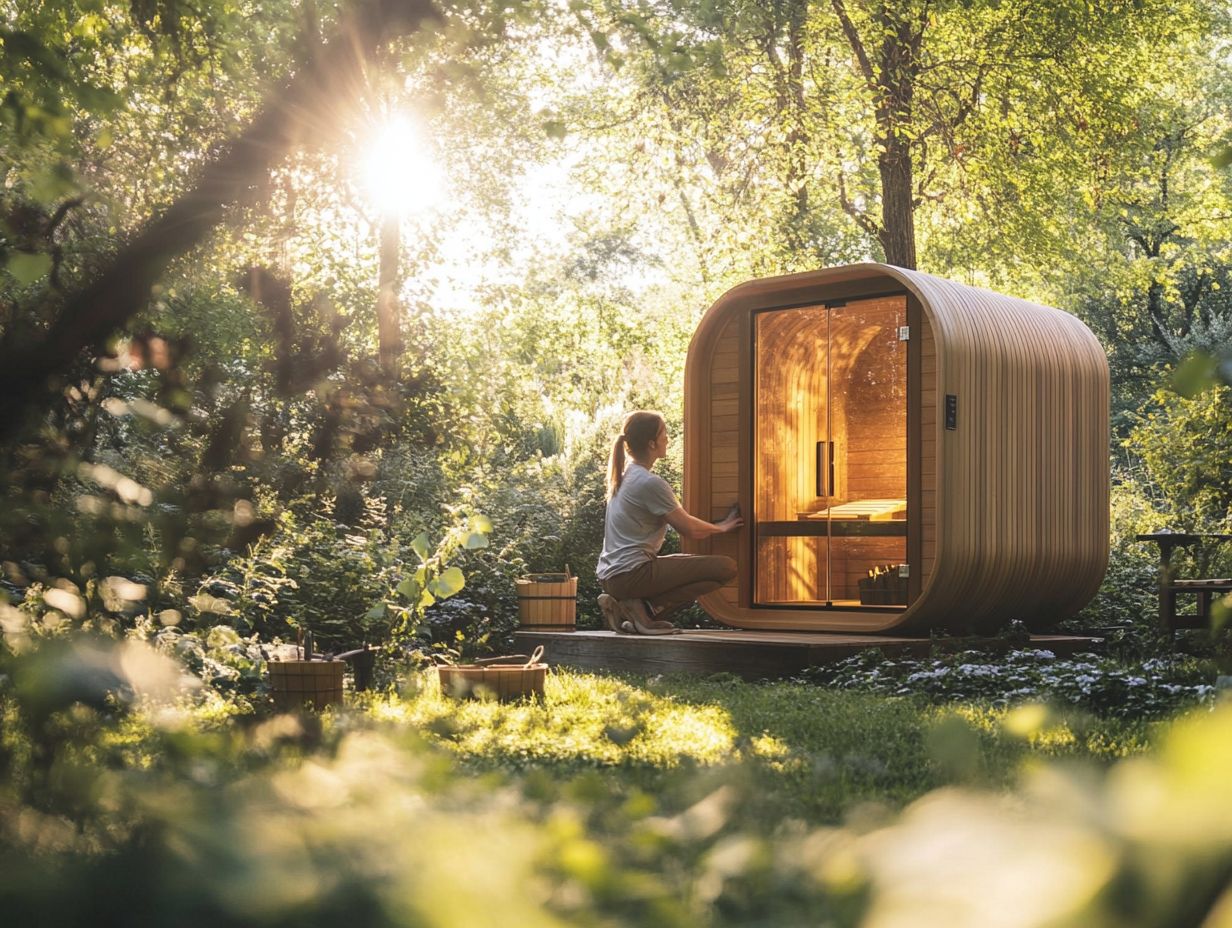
672, 581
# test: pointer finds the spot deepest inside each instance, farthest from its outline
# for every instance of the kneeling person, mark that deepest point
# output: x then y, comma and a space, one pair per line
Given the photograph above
642, 587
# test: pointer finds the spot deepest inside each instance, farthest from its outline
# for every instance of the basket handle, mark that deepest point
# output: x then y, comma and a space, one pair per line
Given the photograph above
508, 658
484, 661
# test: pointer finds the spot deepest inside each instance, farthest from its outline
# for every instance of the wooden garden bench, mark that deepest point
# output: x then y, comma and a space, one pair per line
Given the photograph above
1170, 586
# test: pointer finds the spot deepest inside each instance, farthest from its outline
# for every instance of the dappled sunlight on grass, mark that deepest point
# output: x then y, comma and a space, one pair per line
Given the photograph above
1048, 731
668, 801
581, 718
797, 749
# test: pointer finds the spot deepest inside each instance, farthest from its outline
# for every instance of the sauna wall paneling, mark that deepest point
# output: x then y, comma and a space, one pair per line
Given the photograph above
930, 422
1021, 556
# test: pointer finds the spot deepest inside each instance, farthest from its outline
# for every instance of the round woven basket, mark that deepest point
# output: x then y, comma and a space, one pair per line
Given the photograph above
547, 602
300, 684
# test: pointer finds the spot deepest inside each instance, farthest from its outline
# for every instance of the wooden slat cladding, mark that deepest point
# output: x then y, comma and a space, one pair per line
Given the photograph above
724, 424
712, 442
1013, 501
1023, 493
927, 463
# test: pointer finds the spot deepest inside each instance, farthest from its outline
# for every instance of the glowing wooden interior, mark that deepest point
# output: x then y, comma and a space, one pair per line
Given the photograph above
831, 433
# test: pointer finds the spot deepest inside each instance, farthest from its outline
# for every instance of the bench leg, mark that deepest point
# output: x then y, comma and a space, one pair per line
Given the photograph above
1204, 606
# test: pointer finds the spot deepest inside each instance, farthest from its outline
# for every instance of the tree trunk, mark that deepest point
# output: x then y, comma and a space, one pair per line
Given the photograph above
890, 76
1158, 315
897, 71
792, 102
897, 232
387, 316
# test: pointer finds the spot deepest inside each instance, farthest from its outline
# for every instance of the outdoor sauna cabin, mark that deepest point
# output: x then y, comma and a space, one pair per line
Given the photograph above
909, 453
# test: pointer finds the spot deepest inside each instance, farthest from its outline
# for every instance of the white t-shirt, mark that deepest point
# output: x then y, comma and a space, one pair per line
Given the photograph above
635, 523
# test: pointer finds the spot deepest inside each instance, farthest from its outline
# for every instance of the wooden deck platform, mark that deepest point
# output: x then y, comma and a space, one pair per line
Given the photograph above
748, 654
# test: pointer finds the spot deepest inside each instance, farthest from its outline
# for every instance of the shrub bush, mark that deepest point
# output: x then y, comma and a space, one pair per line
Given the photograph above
1185, 445
1106, 686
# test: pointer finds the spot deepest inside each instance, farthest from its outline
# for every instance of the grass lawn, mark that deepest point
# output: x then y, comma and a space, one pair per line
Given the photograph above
617, 800
795, 751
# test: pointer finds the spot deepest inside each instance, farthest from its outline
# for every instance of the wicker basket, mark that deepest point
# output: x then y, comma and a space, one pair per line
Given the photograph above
498, 676
547, 602
315, 684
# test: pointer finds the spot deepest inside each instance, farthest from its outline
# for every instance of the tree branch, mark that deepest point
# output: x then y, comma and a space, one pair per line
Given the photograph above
59, 215
853, 39
860, 217
49, 233
28, 371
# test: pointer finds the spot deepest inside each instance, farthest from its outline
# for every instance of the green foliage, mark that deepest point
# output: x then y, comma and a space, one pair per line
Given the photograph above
1201, 371
1186, 447
1108, 687
715, 803
340, 572
1126, 606
430, 577
347, 584
248, 591
225, 662
1166, 477
235, 466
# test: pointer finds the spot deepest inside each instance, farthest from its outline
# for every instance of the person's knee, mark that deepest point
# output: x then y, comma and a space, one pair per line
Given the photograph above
727, 572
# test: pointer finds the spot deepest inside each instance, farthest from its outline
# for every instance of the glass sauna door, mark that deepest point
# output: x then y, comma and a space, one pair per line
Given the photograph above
830, 455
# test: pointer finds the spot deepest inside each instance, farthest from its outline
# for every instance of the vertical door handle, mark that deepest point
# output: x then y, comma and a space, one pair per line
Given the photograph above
825, 468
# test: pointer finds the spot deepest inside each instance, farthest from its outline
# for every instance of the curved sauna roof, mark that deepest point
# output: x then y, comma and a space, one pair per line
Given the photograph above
1007, 510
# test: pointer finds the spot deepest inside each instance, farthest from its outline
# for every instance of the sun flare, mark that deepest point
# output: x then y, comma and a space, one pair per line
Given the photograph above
398, 171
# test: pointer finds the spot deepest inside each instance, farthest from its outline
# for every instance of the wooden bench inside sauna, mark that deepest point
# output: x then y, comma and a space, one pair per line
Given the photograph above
909, 453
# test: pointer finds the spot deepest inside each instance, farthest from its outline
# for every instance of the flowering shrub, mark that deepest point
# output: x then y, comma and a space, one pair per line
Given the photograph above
1159, 686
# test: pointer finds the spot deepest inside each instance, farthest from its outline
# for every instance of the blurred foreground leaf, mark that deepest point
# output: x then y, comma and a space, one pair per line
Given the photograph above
1194, 374
28, 268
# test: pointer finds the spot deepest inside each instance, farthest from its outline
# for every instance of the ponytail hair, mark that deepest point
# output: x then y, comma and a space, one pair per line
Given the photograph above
640, 429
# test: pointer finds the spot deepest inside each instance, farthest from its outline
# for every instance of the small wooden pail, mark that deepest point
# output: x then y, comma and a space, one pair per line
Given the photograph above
296, 684
498, 676
547, 602
887, 587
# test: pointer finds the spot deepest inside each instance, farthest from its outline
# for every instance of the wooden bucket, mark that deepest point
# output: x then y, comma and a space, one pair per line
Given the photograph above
296, 684
497, 676
547, 602
887, 588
